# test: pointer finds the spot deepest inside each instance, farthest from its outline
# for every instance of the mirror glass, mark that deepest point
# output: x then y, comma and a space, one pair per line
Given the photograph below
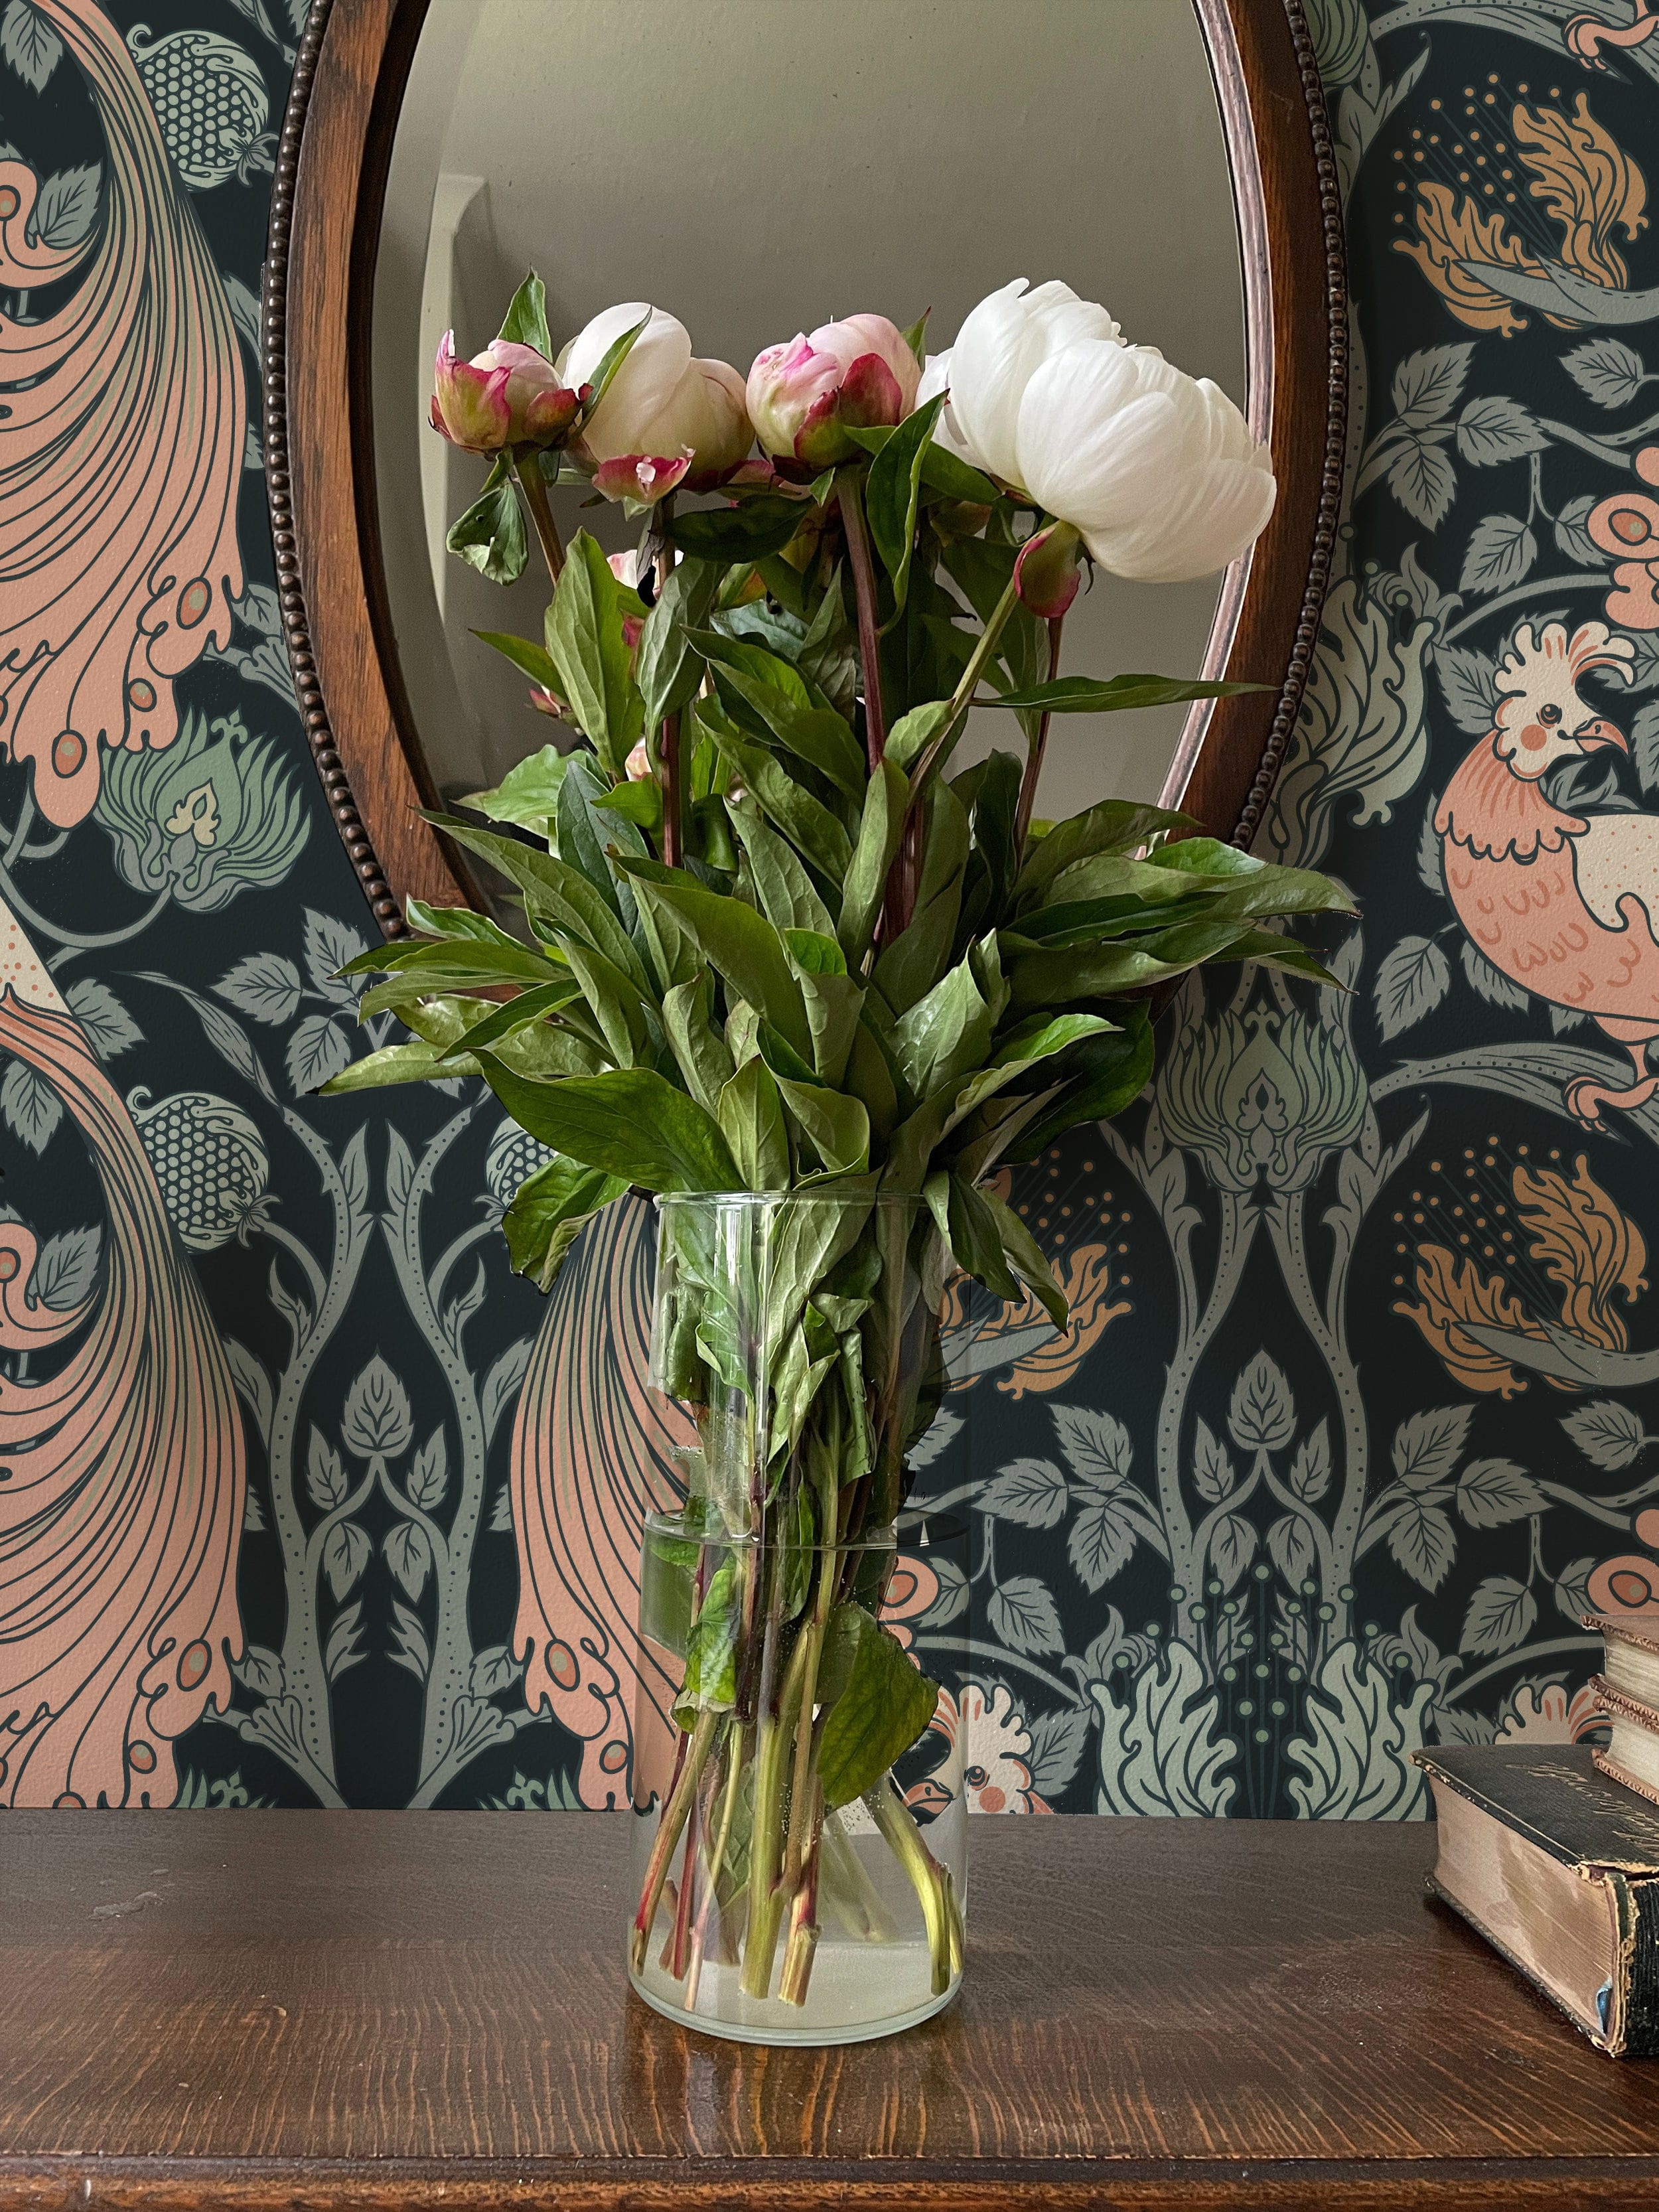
757, 169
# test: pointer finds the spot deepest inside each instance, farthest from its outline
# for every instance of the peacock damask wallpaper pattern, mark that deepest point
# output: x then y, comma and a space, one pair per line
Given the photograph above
304, 1500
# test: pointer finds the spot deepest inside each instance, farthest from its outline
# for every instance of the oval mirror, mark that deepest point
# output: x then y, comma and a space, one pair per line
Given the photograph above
749, 171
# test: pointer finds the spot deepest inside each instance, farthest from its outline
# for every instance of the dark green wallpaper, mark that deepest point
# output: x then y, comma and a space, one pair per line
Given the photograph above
304, 1500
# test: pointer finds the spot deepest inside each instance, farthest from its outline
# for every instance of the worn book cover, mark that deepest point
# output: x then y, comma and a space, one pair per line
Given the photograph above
1557, 1867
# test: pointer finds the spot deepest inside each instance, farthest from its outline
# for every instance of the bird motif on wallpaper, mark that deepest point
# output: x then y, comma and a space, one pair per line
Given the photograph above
593, 1450
1564, 904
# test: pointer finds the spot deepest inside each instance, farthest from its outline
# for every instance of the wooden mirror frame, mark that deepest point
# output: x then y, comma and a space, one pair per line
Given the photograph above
330, 190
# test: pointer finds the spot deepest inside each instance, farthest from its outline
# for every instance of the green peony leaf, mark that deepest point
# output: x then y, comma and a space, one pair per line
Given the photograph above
968, 1227
585, 637
1114, 1068
746, 533
549, 1211
525, 320
630, 1122
883, 1705
667, 671
489, 536
1019, 1247
740, 944
528, 1007
787, 895
836, 1127
751, 1115
892, 493
879, 831
1110, 694
816, 735
528, 794
699, 1049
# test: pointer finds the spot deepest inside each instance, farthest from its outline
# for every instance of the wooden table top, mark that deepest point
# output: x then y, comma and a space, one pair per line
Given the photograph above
255, 2010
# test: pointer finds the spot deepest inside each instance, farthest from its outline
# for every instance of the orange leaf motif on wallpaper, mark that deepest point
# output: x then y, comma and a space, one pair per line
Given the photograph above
1587, 185
1451, 1293
1586, 1247
1588, 1250
1590, 187
1085, 1274
1452, 229
118, 559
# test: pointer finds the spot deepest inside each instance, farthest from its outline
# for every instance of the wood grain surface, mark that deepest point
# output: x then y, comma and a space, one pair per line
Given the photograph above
257, 2010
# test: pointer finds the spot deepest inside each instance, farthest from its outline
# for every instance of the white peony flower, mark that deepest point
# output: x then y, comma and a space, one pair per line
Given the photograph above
1157, 469
935, 379
998, 349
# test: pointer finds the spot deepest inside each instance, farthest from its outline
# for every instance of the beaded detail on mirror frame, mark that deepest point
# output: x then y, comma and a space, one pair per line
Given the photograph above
296, 616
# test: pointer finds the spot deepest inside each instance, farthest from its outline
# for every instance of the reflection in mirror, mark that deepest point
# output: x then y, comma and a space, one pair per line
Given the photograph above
978, 141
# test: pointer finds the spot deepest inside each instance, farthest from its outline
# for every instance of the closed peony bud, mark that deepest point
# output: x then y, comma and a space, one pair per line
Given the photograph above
666, 419
641, 388
803, 397
1046, 572
707, 418
507, 395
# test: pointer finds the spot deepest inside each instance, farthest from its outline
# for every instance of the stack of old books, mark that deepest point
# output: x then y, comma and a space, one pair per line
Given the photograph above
1553, 1851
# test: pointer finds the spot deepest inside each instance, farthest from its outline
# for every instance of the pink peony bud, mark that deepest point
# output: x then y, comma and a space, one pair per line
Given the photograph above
1049, 570
639, 764
507, 395
803, 396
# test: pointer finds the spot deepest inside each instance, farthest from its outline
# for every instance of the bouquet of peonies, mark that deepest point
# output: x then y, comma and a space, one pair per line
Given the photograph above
776, 947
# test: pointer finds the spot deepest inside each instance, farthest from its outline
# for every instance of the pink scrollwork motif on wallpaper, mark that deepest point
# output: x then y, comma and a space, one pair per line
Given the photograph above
592, 1451
122, 423
122, 1477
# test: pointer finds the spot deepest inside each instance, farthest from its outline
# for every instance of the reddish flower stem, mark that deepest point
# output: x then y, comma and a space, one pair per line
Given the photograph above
1028, 783
864, 590
668, 741
673, 799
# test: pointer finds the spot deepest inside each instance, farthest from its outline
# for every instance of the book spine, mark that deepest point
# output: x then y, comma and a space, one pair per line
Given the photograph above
1640, 1951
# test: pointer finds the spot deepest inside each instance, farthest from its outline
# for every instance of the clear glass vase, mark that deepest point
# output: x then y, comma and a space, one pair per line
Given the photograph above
800, 1830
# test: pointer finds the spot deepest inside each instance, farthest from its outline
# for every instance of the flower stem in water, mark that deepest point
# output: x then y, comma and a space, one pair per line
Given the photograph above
675, 1813
931, 1881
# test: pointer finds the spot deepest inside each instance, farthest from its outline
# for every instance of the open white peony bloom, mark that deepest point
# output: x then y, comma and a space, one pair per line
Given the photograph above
998, 349
1157, 469
935, 379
